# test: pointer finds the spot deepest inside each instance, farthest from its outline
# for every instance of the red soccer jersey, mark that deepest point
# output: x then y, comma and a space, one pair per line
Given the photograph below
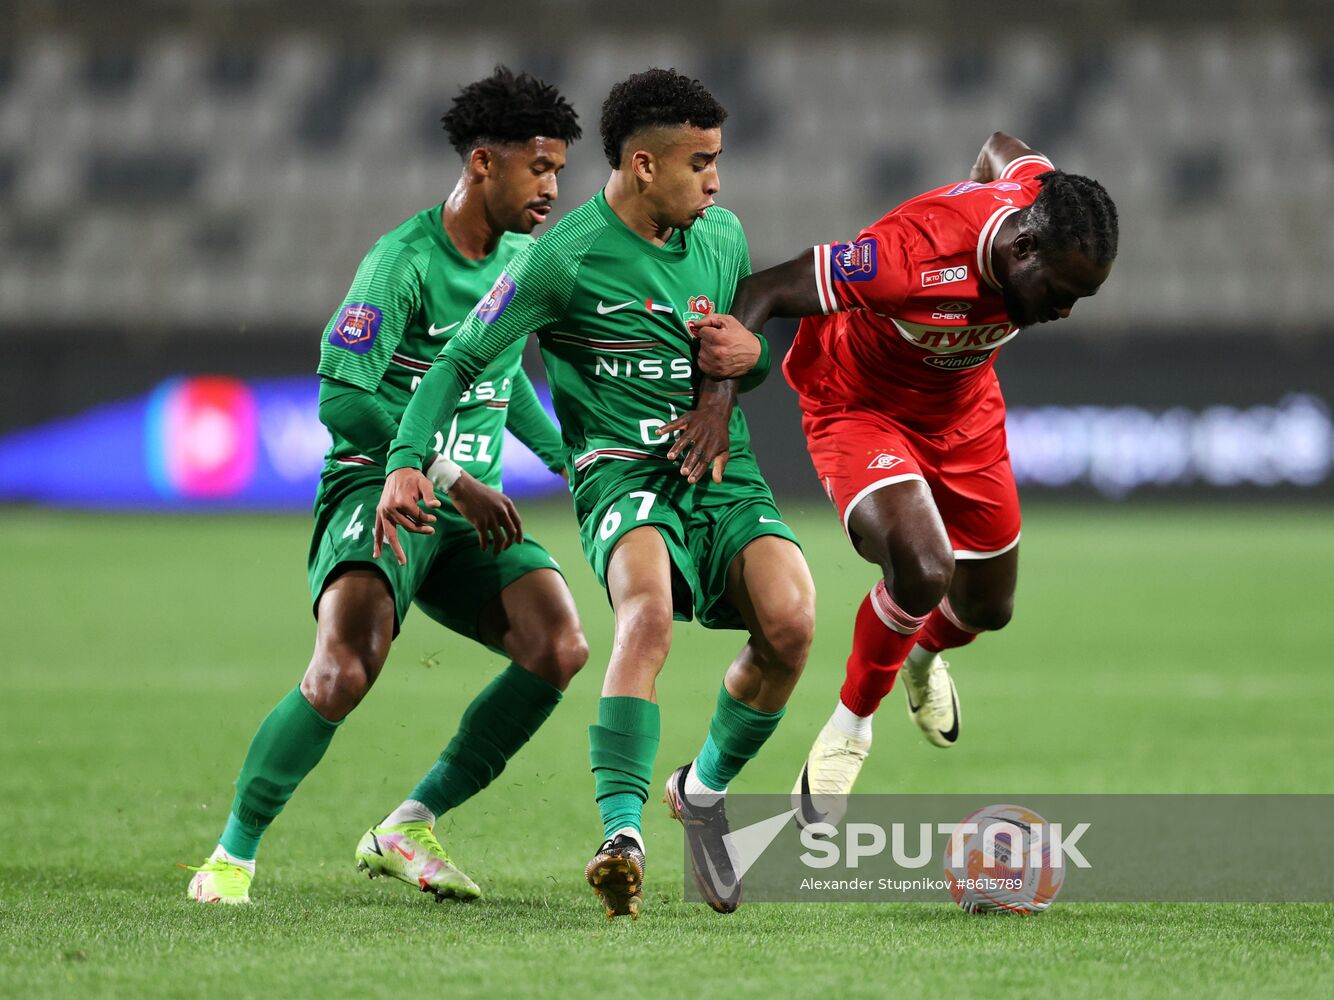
914, 315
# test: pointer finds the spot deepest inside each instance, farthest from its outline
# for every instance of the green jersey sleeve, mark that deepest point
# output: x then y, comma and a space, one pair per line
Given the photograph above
531, 293
531, 425
760, 372
361, 337
356, 416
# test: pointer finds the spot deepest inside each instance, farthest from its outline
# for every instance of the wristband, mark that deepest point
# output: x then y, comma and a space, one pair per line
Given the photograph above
443, 473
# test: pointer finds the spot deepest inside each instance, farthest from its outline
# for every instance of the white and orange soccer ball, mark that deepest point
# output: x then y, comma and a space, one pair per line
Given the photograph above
999, 860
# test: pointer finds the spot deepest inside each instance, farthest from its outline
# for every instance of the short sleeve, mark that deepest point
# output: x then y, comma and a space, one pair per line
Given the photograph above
1025, 168
362, 335
872, 272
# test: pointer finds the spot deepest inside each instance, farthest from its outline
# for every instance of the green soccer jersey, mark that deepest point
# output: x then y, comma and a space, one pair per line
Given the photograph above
410, 295
610, 310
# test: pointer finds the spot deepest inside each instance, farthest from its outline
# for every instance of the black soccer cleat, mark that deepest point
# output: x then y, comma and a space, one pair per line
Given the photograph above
616, 874
706, 827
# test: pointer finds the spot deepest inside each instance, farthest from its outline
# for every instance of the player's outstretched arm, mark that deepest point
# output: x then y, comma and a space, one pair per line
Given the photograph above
407, 489
782, 290
729, 344
997, 153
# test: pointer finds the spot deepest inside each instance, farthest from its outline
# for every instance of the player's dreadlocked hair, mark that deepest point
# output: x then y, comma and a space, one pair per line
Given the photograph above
655, 97
1072, 212
506, 108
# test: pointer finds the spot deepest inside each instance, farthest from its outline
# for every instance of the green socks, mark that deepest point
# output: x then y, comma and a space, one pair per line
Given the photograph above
622, 747
736, 733
289, 743
500, 720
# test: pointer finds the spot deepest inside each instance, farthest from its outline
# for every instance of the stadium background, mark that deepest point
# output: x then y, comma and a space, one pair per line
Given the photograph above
188, 187
185, 190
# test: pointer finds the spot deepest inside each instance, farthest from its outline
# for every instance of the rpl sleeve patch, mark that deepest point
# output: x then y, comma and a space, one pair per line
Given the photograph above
854, 261
490, 308
356, 327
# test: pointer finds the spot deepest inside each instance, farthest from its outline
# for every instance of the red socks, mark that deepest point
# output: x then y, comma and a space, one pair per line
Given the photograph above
943, 630
881, 638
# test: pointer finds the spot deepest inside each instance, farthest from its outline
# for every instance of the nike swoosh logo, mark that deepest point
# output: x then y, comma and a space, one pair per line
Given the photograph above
814, 815
603, 308
770, 520
1008, 201
720, 884
953, 733
435, 331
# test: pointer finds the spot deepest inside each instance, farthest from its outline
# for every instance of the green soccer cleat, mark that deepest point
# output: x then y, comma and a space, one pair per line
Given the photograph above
410, 853
219, 882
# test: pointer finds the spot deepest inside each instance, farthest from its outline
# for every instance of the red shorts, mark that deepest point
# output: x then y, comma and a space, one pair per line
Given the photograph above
857, 452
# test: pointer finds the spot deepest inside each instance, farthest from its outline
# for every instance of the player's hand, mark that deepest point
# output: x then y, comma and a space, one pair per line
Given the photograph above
489, 511
704, 438
726, 348
405, 493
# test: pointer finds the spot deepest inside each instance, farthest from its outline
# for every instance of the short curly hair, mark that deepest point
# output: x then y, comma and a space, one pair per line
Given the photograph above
504, 108
651, 99
1073, 212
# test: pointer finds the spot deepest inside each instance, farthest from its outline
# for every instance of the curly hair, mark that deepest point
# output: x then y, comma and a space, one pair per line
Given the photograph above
504, 108
1073, 212
654, 98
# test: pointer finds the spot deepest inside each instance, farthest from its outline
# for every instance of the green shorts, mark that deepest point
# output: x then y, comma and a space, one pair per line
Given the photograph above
447, 575
705, 526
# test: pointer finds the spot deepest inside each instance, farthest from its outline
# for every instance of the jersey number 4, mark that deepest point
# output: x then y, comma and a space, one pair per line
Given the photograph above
354, 526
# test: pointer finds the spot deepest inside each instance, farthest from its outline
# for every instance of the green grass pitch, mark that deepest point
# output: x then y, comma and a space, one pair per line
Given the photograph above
1158, 649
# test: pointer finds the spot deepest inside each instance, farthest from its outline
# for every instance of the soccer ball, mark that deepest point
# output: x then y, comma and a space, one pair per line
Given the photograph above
1004, 865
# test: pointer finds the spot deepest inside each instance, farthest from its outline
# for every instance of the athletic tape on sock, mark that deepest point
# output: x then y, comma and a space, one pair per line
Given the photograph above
893, 616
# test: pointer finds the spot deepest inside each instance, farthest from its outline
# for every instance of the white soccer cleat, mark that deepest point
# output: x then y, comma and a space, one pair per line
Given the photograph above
822, 789
932, 701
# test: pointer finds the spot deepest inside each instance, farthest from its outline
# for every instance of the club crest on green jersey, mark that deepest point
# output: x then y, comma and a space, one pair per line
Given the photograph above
697, 307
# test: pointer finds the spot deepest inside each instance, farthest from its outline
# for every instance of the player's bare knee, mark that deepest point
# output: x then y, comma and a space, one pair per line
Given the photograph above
341, 673
787, 640
646, 623
561, 656
334, 688
920, 580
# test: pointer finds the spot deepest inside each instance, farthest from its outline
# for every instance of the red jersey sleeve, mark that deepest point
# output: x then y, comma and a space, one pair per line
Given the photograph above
872, 272
1026, 167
